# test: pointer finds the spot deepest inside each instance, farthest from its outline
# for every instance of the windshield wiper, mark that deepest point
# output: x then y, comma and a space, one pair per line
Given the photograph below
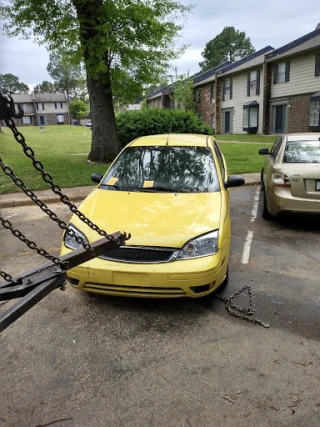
160, 188
117, 187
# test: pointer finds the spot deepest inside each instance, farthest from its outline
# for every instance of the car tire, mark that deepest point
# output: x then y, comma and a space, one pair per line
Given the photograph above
265, 212
262, 183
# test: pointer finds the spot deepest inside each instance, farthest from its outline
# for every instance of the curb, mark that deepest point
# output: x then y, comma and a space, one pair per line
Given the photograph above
76, 197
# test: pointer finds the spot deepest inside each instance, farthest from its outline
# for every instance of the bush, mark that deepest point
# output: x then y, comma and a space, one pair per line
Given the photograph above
133, 124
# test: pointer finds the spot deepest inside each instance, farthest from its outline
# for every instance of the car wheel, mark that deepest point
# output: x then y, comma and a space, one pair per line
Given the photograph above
262, 183
265, 212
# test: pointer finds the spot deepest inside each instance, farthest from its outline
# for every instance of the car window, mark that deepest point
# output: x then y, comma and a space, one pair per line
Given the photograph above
164, 168
220, 161
276, 147
302, 152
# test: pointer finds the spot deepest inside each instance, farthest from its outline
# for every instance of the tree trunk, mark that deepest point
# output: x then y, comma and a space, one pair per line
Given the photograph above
105, 140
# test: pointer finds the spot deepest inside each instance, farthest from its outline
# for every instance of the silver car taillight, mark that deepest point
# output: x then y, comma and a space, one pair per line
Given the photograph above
280, 179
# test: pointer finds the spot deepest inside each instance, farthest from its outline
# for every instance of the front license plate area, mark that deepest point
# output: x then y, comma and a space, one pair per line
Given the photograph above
317, 184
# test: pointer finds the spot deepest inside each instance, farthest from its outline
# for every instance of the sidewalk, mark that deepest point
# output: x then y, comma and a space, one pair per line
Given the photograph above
77, 194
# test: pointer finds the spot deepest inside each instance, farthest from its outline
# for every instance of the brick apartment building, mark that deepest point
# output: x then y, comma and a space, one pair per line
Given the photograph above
270, 91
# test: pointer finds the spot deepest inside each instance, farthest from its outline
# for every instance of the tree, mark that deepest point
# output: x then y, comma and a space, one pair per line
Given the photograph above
125, 44
65, 74
10, 84
45, 87
78, 109
183, 92
229, 45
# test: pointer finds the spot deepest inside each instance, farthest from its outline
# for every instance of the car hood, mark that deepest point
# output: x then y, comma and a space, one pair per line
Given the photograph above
153, 219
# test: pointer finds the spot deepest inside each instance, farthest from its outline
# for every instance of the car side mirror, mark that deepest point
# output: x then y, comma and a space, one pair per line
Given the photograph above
234, 181
96, 177
264, 151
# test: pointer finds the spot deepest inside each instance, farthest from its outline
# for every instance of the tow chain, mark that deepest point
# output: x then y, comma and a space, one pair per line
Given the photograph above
240, 312
54, 187
6, 276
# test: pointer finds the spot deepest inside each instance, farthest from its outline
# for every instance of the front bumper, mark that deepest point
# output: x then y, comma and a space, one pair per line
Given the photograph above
282, 200
193, 278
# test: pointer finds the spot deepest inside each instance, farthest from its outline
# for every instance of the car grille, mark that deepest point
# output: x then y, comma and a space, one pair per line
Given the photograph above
136, 254
133, 290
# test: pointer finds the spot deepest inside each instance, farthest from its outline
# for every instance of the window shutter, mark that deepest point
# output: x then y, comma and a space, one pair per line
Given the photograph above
317, 67
287, 71
258, 83
275, 74
224, 91
231, 87
248, 84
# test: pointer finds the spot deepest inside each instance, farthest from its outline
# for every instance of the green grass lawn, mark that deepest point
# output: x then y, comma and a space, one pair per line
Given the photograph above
247, 138
64, 150
243, 158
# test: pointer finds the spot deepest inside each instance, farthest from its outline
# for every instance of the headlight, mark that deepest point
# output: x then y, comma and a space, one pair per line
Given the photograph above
71, 241
200, 246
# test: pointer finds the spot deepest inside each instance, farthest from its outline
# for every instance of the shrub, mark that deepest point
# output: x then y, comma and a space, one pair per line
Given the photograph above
133, 124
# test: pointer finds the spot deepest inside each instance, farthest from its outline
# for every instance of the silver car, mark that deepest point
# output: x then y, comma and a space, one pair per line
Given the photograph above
291, 175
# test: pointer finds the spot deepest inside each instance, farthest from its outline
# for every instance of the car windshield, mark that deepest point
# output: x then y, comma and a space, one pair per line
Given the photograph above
302, 152
163, 168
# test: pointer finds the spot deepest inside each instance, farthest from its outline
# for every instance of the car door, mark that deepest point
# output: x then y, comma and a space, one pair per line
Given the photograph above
225, 224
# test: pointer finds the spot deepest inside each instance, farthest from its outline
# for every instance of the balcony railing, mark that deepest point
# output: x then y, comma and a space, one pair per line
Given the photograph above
28, 110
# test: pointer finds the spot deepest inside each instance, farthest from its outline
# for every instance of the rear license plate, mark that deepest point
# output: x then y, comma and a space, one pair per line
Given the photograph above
317, 184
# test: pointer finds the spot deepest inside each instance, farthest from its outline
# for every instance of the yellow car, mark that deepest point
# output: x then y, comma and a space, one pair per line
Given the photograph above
171, 193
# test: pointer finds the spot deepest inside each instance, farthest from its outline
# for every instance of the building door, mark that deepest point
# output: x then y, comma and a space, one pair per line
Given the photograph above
280, 113
42, 121
227, 127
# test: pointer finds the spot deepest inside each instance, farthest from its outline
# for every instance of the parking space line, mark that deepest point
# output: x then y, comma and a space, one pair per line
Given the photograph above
254, 211
249, 238
247, 247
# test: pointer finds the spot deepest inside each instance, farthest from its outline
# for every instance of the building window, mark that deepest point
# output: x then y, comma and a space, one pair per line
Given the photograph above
26, 120
281, 73
212, 93
58, 105
60, 119
227, 89
253, 84
314, 121
213, 120
40, 106
317, 65
197, 95
251, 117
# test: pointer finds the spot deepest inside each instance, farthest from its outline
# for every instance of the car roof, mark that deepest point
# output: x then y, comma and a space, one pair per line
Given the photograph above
173, 139
303, 137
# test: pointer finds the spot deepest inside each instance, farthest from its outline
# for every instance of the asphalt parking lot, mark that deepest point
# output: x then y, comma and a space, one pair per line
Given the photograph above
82, 360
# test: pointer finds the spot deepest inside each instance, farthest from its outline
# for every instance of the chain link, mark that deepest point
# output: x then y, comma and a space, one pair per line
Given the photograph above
49, 180
6, 276
52, 215
240, 312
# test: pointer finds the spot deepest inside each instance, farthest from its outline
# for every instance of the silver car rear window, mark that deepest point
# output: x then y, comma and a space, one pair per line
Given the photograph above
302, 152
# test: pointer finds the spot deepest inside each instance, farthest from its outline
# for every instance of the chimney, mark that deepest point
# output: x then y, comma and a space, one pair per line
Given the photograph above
318, 26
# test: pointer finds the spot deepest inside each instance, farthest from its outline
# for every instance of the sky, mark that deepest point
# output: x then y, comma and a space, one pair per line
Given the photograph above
266, 22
